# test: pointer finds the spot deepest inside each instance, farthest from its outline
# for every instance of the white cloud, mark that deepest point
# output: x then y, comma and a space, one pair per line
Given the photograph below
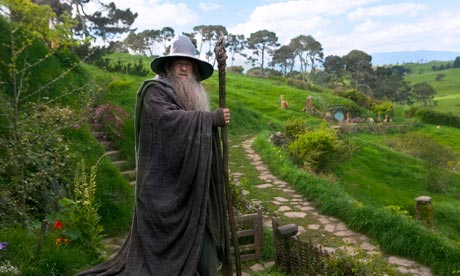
156, 14
209, 6
292, 18
402, 9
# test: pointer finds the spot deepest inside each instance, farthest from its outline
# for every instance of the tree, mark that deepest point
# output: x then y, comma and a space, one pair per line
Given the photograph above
166, 35
284, 57
34, 61
423, 92
308, 50
456, 63
106, 22
334, 67
236, 44
358, 65
262, 42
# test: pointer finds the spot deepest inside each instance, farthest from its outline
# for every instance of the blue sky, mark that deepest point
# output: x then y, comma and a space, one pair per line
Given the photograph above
373, 26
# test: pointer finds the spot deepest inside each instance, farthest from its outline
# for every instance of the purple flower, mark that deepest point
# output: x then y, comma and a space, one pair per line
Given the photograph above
3, 245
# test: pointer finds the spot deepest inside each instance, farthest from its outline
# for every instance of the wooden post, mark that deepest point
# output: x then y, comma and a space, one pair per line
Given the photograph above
424, 210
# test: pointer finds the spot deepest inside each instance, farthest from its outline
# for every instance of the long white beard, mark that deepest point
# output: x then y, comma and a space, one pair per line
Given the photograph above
190, 93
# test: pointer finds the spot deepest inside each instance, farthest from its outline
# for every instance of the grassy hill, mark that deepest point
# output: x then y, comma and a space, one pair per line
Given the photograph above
376, 178
448, 94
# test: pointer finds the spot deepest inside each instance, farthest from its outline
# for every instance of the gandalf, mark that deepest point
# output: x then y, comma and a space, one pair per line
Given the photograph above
179, 224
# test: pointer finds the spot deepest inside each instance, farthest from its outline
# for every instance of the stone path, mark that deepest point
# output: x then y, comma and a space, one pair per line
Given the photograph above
293, 207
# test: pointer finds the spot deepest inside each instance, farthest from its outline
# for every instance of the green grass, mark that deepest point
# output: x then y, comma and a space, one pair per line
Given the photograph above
376, 176
448, 94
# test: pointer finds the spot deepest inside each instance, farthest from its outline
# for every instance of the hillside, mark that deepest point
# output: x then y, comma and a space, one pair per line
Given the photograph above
405, 57
376, 175
448, 94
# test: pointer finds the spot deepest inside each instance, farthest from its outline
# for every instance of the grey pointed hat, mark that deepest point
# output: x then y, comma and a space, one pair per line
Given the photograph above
182, 46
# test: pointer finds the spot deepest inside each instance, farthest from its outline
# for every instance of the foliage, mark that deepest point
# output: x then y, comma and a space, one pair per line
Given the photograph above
423, 92
319, 150
78, 217
235, 69
94, 18
137, 68
456, 63
429, 116
431, 152
303, 85
294, 128
383, 108
261, 43
110, 118
359, 98
394, 233
34, 165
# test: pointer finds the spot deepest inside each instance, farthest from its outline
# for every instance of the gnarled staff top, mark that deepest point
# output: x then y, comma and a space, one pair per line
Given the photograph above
219, 51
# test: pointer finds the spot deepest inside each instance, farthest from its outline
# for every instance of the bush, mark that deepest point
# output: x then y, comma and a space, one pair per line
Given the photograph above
294, 127
429, 116
235, 69
319, 150
303, 85
35, 164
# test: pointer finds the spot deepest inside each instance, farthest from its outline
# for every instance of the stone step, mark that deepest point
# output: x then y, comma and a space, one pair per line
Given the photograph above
100, 135
107, 145
130, 175
113, 155
121, 164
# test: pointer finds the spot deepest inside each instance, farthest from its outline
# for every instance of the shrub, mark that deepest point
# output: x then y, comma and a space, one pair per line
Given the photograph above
294, 127
303, 85
110, 118
235, 69
319, 150
429, 116
35, 164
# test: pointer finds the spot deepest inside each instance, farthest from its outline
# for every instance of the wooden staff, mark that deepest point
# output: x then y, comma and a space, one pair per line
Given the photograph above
221, 57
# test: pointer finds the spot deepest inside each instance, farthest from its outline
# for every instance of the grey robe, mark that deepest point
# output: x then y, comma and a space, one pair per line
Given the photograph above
179, 189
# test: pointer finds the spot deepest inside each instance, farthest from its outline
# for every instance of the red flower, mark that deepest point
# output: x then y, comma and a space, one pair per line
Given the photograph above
57, 225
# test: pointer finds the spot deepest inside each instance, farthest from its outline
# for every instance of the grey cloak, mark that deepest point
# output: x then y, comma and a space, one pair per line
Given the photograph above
179, 189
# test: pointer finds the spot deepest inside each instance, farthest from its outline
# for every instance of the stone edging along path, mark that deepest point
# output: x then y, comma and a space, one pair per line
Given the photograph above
296, 208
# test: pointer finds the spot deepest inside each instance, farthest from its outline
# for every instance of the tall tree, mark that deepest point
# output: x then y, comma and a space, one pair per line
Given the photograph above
236, 44
456, 63
166, 35
106, 22
334, 68
388, 84
307, 49
285, 58
202, 30
358, 65
262, 42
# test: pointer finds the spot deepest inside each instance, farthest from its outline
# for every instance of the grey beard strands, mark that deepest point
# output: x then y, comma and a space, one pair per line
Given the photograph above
190, 93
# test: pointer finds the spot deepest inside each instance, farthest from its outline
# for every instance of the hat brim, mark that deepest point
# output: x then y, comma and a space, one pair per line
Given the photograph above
205, 69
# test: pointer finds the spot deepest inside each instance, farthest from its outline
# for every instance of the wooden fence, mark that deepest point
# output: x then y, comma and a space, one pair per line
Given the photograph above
250, 235
295, 256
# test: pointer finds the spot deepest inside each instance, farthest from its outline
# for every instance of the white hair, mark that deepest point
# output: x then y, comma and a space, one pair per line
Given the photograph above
190, 92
